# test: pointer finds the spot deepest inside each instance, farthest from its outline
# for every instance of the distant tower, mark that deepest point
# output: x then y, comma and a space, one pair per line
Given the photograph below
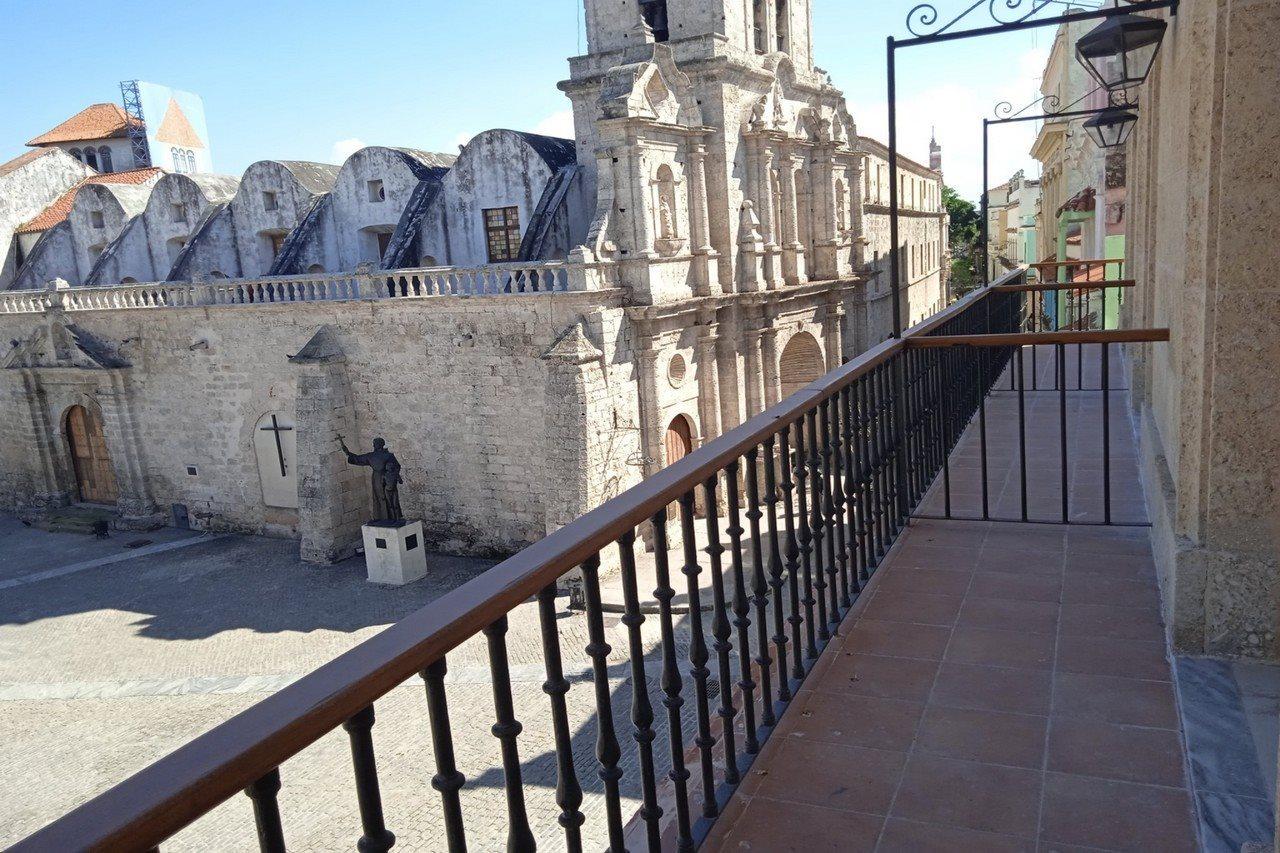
935, 152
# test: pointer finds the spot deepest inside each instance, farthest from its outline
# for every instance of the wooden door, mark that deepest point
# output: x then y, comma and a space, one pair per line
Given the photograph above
95, 478
679, 439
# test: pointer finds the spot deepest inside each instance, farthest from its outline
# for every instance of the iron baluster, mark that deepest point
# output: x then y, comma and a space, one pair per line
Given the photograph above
837, 474
1106, 433
641, 707
266, 812
608, 752
815, 581
698, 657
794, 482
851, 476
507, 729
982, 432
1061, 380
828, 518
721, 631
447, 780
568, 789
376, 838
741, 612
775, 561
1022, 435
760, 589
671, 683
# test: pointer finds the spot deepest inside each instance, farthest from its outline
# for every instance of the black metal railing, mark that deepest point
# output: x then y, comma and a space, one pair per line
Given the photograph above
798, 507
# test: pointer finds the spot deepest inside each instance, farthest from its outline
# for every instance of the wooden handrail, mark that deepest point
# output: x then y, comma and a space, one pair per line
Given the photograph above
1109, 336
1078, 262
1065, 285
163, 798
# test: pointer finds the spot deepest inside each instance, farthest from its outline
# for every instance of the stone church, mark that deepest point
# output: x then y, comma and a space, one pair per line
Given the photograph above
533, 325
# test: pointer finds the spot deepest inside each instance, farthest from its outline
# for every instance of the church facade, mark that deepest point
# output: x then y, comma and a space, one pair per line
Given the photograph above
533, 326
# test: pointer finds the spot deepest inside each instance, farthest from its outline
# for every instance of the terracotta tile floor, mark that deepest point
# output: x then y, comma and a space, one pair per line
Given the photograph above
999, 686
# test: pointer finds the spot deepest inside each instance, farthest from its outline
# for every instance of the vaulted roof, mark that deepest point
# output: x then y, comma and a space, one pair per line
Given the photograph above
98, 121
58, 211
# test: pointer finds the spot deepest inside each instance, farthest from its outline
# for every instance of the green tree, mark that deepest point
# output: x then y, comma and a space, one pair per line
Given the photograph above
964, 236
965, 220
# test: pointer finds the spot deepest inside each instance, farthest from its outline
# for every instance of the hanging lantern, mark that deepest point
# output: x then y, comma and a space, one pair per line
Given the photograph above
1120, 51
1111, 129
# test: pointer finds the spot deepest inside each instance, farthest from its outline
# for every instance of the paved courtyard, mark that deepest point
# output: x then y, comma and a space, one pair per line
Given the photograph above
110, 657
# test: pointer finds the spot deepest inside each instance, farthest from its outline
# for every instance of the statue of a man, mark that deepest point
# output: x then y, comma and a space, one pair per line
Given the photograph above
386, 478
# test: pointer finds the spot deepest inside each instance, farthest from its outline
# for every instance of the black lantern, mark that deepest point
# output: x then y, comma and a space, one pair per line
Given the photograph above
1111, 129
1119, 52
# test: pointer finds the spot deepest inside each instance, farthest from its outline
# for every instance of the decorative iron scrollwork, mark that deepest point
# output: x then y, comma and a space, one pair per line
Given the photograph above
921, 20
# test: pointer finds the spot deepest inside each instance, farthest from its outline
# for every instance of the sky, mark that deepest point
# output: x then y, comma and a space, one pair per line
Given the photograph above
318, 80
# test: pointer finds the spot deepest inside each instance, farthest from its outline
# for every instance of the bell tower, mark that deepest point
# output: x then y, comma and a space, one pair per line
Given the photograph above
701, 28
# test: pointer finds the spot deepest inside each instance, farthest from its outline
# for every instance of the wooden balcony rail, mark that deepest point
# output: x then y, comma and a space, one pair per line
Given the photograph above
1086, 269
809, 496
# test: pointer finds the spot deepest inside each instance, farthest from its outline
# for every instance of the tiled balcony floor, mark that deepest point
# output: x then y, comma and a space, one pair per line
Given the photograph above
999, 686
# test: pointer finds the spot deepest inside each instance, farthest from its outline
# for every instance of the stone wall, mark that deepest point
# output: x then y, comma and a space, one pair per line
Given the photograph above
467, 393
1205, 196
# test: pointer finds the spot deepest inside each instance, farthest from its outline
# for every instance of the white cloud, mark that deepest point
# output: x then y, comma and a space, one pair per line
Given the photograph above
344, 148
557, 124
955, 113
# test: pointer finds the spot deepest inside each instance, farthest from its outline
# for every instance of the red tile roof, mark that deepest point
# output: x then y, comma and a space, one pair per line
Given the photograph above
99, 121
58, 211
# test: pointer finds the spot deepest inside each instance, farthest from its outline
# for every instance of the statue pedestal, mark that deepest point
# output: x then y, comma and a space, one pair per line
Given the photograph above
393, 552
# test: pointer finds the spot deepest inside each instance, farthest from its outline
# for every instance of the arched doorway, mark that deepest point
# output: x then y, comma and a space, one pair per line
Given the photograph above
679, 439
95, 478
800, 364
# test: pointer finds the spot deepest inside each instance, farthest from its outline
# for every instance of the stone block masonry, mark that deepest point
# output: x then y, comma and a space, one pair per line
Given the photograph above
461, 389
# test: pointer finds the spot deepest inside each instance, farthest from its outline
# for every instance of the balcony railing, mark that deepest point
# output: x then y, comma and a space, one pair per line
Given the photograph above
493, 280
796, 508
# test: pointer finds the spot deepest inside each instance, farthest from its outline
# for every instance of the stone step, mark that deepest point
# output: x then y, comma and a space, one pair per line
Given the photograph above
88, 521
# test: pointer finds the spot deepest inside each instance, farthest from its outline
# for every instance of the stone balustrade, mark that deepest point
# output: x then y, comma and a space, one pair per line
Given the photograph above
493, 280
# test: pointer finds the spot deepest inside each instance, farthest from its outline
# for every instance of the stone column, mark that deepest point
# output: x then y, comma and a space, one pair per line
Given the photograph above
792, 251
753, 380
832, 329
651, 426
825, 262
704, 256
708, 377
769, 355
765, 210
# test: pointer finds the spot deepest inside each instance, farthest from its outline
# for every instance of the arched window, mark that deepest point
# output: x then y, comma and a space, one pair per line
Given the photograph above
428, 261
91, 158
217, 274
801, 363
784, 27
191, 162
76, 153
128, 280
104, 157
315, 269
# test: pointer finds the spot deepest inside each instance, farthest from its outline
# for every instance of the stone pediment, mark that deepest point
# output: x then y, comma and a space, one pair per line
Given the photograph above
323, 348
574, 346
62, 345
655, 89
